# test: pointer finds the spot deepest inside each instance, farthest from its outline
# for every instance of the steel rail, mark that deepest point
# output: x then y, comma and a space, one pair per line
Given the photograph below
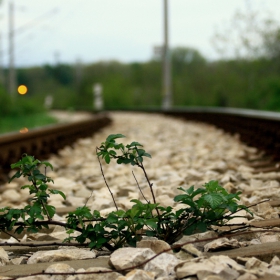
258, 129
43, 141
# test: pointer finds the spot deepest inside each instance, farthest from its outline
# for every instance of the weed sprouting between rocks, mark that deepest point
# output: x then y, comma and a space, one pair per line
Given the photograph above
201, 209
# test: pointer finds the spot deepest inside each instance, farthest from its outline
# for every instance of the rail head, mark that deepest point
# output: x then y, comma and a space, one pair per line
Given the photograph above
43, 141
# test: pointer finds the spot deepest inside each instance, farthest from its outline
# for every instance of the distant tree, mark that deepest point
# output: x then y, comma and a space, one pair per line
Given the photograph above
187, 55
183, 57
248, 35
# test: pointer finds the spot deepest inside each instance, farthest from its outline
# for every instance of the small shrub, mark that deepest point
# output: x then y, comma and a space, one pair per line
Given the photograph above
202, 208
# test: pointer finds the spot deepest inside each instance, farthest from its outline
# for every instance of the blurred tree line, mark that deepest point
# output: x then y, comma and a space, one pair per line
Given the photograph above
240, 83
249, 79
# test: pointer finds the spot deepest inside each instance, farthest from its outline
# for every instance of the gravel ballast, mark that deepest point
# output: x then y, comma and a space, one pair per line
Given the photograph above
184, 153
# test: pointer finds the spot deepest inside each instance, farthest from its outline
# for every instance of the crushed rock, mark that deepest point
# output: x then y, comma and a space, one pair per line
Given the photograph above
184, 153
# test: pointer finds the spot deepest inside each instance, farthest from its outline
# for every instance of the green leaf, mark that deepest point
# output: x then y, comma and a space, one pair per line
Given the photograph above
40, 177
58, 192
198, 191
232, 207
134, 144
19, 230
16, 175
26, 186
124, 161
150, 233
112, 152
4, 209
112, 218
140, 159
151, 223
214, 199
213, 186
140, 152
114, 136
96, 214
201, 226
107, 158
43, 187
51, 210
101, 241
147, 155
47, 164
16, 165
118, 146
190, 190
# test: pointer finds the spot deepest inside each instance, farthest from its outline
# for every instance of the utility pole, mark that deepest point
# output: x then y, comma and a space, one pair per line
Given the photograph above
1, 62
167, 93
12, 74
78, 75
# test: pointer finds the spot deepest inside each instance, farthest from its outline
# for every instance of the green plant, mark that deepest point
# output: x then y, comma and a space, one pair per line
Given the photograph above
38, 208
201, 209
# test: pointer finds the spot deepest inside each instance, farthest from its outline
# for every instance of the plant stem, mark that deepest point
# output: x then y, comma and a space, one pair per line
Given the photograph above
140, 188
65, 225
42, 202
150, 185
106, 182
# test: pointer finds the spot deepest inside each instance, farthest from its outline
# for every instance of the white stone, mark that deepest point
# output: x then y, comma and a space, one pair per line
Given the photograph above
264, 238
83, 192
138, 274
11, 195
185, 154
61, 255
188, 251
221, 243
254, 263
162, 265
216, 265
59, 267
238, 218
4, 258
129, 257
247, 276
18, 261
65, 185
165, 200
101, 203
95, 185
111, 275
275, 261
75, 200
157, 246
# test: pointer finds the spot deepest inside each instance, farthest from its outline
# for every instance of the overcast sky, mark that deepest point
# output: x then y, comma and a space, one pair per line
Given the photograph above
50, 31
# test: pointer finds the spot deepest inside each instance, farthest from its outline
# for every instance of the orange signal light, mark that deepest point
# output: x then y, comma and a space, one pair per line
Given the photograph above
22, 89
23, 130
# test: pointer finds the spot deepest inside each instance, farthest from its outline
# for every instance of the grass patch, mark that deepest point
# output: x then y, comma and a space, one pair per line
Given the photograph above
17, 122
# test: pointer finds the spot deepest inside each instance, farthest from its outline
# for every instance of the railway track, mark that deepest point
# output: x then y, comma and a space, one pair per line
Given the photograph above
43, 141
259, 129
255, 128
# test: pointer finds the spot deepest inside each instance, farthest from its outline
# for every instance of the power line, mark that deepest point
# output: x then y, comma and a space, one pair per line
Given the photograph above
20, 30
27, 25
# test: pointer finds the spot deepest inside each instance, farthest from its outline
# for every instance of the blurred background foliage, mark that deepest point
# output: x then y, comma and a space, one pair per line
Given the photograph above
242, 83
247, 75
